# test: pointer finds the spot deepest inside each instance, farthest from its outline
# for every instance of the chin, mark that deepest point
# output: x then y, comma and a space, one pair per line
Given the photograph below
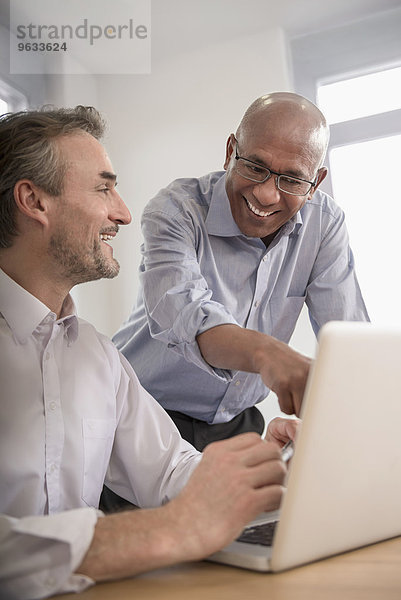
247, 225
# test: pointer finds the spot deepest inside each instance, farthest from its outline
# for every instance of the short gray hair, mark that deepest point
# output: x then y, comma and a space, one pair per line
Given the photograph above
28, 151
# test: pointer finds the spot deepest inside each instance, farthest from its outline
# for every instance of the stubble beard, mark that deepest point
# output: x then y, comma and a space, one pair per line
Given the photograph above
80, 266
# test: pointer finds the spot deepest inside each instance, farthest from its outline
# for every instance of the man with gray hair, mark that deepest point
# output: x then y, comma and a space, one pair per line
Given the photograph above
73, 414
228, 261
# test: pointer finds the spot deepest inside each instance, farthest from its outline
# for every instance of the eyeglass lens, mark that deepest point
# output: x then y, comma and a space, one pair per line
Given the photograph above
260, 174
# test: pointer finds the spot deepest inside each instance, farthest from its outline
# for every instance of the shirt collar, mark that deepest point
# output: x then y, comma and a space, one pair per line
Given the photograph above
219, 220
24, 312
293, 225
69, 319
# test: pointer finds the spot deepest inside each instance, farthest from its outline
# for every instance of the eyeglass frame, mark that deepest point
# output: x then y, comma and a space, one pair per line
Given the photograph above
271, 172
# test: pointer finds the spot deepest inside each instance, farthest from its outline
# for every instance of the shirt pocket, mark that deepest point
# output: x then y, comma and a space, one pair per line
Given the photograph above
284, 316
98, 437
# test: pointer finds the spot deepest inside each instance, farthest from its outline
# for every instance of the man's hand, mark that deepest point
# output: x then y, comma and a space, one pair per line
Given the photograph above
236, 480
284, 371
280, 431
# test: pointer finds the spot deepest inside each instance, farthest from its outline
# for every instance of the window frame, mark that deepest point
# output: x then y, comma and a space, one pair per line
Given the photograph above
358, 48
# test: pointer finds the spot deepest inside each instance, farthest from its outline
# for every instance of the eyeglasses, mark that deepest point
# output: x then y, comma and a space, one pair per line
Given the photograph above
255, 172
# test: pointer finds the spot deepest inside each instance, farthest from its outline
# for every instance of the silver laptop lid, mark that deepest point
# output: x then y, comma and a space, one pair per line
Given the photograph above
344, 488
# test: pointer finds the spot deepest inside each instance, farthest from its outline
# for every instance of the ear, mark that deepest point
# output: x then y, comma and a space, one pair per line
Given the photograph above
31, 201
229, 150
321, 174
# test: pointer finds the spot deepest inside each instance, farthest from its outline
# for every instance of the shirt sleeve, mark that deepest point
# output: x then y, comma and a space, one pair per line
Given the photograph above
333, 291
40, 554
150, 462
178, 300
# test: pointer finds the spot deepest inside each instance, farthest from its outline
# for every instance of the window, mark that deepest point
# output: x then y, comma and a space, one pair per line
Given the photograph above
353, 73
362, 96
365, 184
11, 99
364, 181
3, 106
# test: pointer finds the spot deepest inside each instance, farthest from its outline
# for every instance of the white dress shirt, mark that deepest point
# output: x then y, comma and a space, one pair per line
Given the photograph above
73, 416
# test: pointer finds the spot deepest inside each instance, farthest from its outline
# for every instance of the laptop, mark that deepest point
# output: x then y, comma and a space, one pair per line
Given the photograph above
344, 482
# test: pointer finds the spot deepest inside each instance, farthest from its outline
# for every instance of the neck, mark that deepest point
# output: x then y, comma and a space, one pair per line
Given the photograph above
267, 240
36, 276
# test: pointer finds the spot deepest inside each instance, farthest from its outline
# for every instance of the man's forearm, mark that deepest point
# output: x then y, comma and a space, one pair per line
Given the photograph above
232, 347
281, 368
129, 543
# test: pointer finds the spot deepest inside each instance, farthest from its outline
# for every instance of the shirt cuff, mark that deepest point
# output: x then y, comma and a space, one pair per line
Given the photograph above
191, 352
40, 554
189, 348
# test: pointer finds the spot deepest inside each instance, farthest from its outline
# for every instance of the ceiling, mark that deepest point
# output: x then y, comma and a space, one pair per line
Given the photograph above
182, 25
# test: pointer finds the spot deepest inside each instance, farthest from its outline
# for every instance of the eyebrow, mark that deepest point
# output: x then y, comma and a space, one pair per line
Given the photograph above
108, 175
290, 173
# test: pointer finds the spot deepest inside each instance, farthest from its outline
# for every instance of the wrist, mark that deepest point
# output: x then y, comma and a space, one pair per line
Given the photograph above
264, 349
129, 543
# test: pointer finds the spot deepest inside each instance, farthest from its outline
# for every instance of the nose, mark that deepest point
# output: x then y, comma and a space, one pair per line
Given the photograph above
267, 193
119, 212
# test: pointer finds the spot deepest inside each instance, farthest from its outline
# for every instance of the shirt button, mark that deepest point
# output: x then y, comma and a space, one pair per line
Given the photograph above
264, 258
53, 468
257, 302
52, 405
47, 355
238, 382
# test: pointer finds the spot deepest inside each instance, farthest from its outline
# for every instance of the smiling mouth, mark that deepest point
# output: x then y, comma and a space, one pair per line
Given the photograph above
109, 234
257, 212
106, 237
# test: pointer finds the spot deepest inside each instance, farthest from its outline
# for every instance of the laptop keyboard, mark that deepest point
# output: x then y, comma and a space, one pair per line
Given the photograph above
259, 534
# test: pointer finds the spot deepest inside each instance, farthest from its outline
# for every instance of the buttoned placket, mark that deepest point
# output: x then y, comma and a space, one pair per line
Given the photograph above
260, 287
266, 278
54, 425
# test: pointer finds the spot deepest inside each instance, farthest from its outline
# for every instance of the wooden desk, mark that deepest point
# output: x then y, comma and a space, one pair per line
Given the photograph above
371, 573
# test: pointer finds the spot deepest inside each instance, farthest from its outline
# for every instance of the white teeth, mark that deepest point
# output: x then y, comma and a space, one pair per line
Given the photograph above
258, 212
105, 236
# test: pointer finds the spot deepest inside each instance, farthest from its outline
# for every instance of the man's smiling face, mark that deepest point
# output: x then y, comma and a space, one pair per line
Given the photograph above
261, 209
88, 212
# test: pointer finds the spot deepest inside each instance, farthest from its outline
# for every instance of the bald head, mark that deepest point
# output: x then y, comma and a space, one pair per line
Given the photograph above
286, 116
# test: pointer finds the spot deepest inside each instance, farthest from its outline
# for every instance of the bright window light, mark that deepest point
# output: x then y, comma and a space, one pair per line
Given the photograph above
360, 96
3, 107
367, 187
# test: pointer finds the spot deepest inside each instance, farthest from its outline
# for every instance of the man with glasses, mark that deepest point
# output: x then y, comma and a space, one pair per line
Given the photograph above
229, 259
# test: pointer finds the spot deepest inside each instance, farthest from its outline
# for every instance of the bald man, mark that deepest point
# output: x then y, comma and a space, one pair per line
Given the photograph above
228, 261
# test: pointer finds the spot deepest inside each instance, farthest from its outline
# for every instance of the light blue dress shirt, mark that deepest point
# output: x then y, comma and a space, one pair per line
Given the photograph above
198, 271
